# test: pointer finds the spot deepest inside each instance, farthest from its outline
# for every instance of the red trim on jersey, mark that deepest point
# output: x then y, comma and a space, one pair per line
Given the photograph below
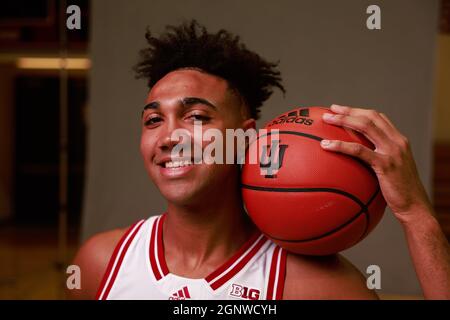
113, 259
281, 275
277, 274
215, 282
272, 273
156, 241
151, 250
218, 277
160, 243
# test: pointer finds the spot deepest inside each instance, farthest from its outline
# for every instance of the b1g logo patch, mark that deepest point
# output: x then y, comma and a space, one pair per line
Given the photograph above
244, 292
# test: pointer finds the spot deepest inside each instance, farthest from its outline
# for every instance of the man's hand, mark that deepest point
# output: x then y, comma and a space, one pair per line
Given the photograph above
403, 191
392, 159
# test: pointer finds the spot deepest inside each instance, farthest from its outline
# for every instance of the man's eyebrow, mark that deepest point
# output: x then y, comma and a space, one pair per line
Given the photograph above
188, 101
151, 105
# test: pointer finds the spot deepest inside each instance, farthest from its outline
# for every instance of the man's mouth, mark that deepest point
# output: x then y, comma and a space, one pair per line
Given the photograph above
176, 168
177, 163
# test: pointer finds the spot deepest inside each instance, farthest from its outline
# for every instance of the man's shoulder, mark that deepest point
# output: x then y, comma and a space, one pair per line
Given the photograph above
324, 277
93, 258
101, 245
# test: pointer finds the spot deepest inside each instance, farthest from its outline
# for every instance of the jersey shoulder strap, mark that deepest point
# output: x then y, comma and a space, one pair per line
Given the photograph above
277, 274
116, 260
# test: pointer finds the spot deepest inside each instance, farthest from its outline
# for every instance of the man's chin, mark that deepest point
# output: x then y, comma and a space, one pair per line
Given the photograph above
181, 201
179, 197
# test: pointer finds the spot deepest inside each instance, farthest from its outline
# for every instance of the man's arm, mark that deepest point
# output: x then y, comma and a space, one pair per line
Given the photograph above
93, 258
429, 251
394, 165
328, 277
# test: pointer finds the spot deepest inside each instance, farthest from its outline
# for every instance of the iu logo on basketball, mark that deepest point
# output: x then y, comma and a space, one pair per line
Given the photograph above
272, 158
243, 292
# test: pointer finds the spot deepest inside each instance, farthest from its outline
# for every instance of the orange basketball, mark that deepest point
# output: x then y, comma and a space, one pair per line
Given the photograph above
306, 199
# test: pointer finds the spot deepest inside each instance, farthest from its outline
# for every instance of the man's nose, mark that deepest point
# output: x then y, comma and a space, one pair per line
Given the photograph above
166, 142
173, 135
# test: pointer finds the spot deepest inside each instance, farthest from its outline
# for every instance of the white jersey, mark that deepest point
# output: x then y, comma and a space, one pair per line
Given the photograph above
138, 270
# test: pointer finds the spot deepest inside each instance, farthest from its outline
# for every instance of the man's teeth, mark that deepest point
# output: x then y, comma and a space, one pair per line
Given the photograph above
177, 164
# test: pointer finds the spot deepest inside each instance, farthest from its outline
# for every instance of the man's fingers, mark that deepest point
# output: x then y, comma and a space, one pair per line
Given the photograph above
380, 119
388, 121
351, 111
364, 125
352, 149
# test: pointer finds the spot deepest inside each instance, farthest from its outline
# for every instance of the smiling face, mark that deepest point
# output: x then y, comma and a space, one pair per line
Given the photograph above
175, 102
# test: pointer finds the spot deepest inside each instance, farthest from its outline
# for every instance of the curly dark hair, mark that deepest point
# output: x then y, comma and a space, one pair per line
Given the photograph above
189, 45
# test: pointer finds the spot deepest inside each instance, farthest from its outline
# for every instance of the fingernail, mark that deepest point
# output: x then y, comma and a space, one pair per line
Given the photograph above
328, 116
325, 143
335, 106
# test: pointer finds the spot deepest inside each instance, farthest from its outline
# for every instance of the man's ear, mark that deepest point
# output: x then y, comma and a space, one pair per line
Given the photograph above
249, 124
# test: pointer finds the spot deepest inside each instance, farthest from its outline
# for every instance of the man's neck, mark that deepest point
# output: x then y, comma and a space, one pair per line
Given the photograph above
198, 239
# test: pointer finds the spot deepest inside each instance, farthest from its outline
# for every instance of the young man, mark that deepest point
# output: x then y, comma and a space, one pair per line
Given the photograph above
205, 246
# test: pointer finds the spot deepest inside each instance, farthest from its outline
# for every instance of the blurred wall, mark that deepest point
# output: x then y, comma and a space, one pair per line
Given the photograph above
327, 56
442, 91
6, 141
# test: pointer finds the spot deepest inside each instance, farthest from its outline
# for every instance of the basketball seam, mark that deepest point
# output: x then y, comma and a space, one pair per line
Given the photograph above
308, 189
364, 208
367, 215
302, 134
317, 138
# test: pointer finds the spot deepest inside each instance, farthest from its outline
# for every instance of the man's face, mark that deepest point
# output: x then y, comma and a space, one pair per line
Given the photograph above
175, 102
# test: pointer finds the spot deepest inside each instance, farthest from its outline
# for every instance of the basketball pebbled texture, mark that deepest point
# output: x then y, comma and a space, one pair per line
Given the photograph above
315, 202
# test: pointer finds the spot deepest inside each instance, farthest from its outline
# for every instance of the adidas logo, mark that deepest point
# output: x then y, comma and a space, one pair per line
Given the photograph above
181, 294
299, 116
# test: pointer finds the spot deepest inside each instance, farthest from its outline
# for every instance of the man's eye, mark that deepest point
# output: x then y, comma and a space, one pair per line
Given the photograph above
199, 117
151, 121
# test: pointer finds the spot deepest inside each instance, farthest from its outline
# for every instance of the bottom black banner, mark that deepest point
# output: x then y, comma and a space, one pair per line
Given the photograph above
179, 310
